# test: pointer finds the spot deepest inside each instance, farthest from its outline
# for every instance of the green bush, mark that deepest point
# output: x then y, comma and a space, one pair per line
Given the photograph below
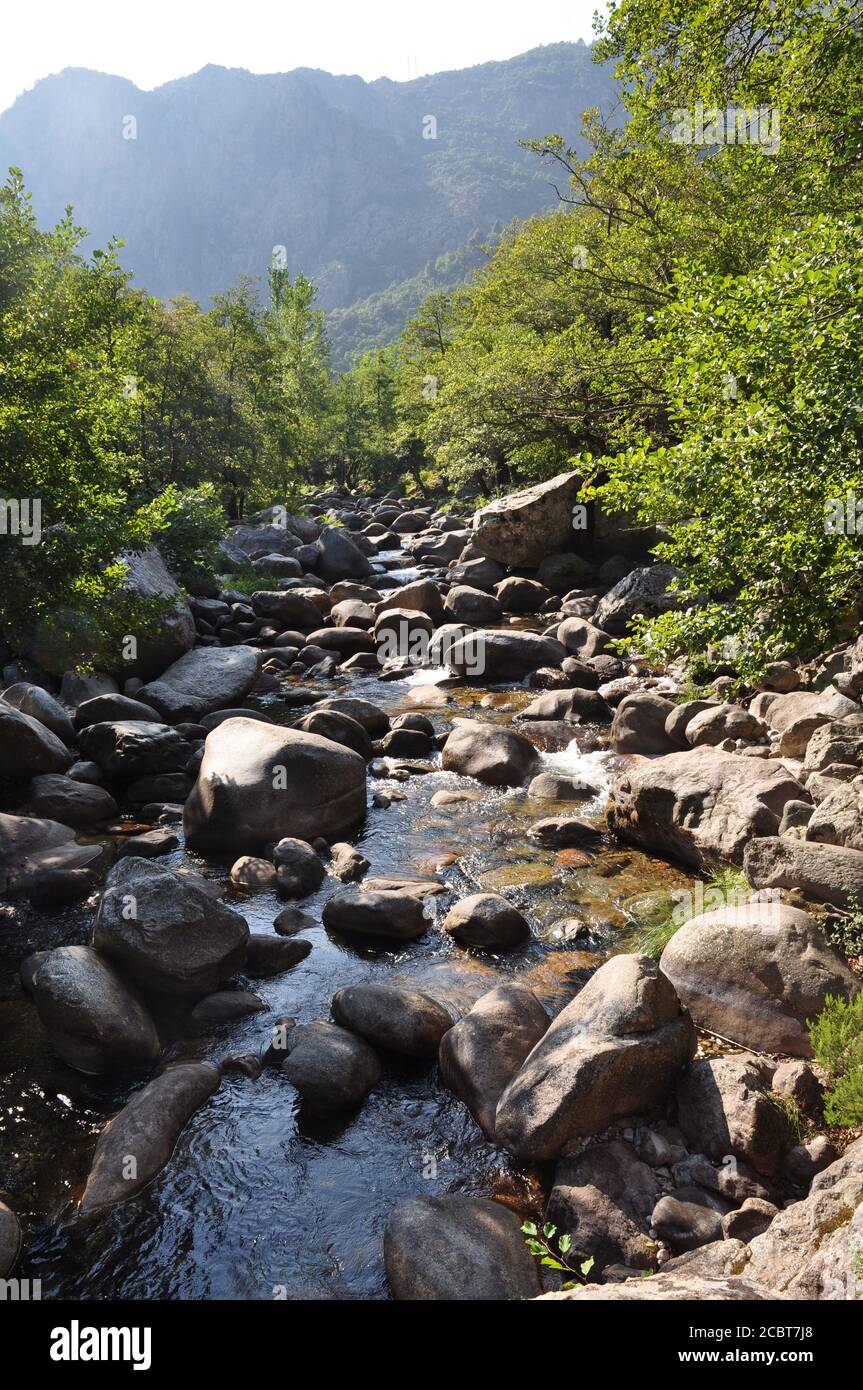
837, 1043
187, 525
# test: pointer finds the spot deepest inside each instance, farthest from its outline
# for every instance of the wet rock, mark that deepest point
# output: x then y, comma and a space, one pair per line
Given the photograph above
267, 956
756, 973
574, 706
62, 799
347, 864
221, 1009
406, 743
561, 832
165, 932
256, 875
724, 1107
604, 1201
392, 1017
140, 1140
291, 920
457, 1249
133, 748
331, 1068
54, 888
487, 922
206, 679
374, 720
553, 786
491, 753
639, 724
502, 656
483, 1052
826, 872
259, 783
93, 1019
27, 747
299, 868
699, 806
614, 1050
151, 845
32, 849
365, 912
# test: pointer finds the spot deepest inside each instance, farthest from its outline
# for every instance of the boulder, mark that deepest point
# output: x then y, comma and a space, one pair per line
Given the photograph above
811, 1249
141, 1139
473, 606
39, 705
106, 709
838, 818
484, 1051
62, 799
502, 656
134, 748
365, 912
643, 592
206, 679
149, 579
287, 607
298, 867
615, 1050
259, 783
522, 528
699, 806
331, 1068
94, 1020
338, 728
166, 933
562, 572
256, 875
604, 1200
374, 720
582, 639
828, 873
674, 1286
339, 557
457, 1249
28, 748
688, 1218
491, 753
724, 1108
422, 595
521, 595
639, 724
486, 921
393, 1018
32, 850
267, 956
719, 722
221, 1009
572, 706
756, 973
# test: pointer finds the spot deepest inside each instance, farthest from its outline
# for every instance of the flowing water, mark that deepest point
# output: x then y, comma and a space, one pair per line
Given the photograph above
259, 1200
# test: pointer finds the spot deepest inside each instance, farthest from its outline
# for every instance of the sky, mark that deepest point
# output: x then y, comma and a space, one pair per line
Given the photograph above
154, 41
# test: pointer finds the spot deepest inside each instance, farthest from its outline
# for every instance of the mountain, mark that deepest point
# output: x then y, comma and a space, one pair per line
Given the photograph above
365, 184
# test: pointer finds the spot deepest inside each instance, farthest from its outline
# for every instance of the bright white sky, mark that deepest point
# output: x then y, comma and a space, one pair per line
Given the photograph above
153, 41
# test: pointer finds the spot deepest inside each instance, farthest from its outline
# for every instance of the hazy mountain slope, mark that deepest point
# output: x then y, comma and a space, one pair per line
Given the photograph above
226, 165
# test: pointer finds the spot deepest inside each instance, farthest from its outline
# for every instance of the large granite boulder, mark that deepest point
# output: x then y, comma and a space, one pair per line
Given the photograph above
93, 1018
501, 656
28, 747
40, 705
641, 593
339, 557
483, 1052
31, 849
206, 679
141, 1139
491, 753
166, 933
259, 783
457, 1249
828, 873
700, 805
524, 527
172, 632
756, 973
614, 1051
725, 1108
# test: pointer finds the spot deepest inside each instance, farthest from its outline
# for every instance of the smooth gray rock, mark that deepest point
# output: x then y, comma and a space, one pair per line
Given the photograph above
94, 1020
40, 705
457, 1249
492, 753
62, 799
482, 1053
28, 748
363, 912
392, 1017
206, 679
486, 921
331, 1068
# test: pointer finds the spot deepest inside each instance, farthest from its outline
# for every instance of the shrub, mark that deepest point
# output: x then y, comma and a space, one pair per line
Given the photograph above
837, 1043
